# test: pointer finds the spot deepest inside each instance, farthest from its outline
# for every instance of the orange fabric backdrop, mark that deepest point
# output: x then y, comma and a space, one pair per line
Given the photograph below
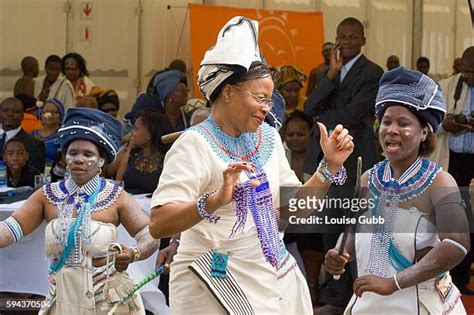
285, 37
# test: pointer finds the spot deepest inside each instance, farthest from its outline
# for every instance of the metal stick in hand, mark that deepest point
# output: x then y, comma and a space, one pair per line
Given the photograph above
347, 228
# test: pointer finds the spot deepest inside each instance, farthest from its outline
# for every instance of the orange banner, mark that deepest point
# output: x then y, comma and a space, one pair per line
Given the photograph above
285, 37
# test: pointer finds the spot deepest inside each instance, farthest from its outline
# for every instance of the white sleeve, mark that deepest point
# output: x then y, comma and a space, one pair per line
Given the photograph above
186, 171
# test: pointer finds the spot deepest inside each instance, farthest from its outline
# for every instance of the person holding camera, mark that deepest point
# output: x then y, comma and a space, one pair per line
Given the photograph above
457, 134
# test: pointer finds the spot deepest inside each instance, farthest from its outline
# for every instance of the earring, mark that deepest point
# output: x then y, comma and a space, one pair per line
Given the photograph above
99, 170
67, 168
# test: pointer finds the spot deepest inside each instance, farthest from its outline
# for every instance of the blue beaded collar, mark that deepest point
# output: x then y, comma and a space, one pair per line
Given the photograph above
413, 182
255, 147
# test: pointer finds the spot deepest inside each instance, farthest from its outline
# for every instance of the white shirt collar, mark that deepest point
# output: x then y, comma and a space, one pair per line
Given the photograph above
10, 133
348, 65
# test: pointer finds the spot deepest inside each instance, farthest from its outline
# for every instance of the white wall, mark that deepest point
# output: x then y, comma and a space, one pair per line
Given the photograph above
129, 44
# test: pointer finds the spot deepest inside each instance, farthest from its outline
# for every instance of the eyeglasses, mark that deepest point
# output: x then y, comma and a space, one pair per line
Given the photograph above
184, 91
260, 100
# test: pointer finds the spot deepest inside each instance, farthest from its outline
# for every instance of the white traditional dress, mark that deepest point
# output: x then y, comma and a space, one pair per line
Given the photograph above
78, 287
252, 283
392, 247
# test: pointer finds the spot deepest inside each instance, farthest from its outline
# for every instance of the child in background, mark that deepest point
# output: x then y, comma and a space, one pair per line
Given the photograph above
16, 157
26, 84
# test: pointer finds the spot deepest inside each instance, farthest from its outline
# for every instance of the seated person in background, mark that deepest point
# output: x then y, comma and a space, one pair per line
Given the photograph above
140, 168
54, 84
11, 117
16, 157
392, 62
296, 131
74, 68
289, 83
87, 101
171, 87
52, 115
108, 102
26, 84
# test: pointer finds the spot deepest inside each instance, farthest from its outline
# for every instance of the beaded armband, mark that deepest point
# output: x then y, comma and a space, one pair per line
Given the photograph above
201, 208
326, 176
14, 227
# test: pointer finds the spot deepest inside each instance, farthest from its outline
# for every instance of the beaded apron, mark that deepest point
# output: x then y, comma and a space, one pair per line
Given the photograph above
95, 196
255, 147
388, 194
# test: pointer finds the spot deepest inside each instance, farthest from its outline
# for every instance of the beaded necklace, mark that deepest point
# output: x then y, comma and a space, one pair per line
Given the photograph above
388, 194
255, 147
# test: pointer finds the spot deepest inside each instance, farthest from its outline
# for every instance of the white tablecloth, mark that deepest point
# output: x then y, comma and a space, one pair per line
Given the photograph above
24, 268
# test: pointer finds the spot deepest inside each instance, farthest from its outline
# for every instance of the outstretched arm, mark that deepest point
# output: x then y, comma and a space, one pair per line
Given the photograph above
27, 218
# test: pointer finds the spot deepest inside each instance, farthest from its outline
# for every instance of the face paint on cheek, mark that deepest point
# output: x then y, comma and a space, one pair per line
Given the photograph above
89, 160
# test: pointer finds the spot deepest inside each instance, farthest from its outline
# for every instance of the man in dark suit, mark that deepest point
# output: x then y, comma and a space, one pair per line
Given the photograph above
345, 95
11, 116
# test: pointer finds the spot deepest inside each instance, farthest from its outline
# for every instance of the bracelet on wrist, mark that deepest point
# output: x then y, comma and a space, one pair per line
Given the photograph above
325, 176
202, 211
396, 282
136, 253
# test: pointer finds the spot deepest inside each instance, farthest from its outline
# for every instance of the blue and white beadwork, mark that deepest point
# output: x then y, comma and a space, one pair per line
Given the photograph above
388, 194
70, 200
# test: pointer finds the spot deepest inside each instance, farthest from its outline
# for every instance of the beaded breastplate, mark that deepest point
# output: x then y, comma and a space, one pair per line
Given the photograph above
74, 233
255, 147
388, 194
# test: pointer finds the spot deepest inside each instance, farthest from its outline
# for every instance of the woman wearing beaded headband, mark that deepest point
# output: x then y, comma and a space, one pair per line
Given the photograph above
220, 189
403, 262
82, 215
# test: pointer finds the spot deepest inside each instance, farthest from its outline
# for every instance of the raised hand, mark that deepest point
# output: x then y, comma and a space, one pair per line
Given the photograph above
337, 147
335, 62
231, 178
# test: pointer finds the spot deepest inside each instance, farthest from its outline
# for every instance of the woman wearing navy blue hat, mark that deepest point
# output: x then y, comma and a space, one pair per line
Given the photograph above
419, 229
82, 215
168, 95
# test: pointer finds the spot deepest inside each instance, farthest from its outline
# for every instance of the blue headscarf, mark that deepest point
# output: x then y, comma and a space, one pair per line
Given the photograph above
165, 83
418, 92
59, 105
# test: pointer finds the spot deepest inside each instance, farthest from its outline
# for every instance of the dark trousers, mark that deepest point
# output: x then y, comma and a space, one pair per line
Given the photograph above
461, 167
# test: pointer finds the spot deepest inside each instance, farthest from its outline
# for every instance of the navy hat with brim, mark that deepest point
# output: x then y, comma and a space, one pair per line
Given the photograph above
92, 125
418, 92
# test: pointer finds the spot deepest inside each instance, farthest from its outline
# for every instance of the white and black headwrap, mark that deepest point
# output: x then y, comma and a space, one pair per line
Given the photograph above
234, 53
